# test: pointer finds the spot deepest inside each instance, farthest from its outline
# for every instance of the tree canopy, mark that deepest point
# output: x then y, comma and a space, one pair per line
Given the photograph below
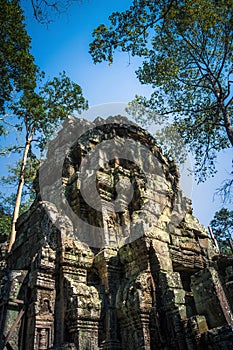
30, 103
187, 50
38, 113
17, 68
222, 225
5, 222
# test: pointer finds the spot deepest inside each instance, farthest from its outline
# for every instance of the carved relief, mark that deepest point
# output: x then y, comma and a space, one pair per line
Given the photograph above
148, 279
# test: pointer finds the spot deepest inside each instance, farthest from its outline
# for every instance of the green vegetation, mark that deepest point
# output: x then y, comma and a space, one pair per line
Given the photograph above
222, 225
187, 51
29, 104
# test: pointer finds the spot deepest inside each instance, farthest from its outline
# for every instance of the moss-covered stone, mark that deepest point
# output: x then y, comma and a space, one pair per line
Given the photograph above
137, 272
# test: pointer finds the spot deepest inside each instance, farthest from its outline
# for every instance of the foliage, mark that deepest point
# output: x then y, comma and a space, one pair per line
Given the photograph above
6, 218
187, 48
17, 69
10, 183
166, 134
7, 203
29, 103
38, 114
222, 225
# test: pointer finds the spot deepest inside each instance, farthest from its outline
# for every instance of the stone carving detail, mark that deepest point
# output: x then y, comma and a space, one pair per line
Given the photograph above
148, 278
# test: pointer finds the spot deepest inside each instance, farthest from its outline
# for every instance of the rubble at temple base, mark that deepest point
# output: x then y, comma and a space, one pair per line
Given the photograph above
149, 277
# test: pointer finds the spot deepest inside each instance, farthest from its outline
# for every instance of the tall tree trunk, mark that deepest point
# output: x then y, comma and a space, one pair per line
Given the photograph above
19, 190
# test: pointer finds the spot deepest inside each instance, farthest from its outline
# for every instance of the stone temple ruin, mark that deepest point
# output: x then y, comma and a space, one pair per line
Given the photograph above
109, 256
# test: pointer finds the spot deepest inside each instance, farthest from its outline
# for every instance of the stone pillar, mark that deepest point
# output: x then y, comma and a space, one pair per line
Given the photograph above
81, 301
41, 294
136, 298
107, 264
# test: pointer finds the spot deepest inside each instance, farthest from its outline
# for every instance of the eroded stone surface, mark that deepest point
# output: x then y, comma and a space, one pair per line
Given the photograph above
137, 272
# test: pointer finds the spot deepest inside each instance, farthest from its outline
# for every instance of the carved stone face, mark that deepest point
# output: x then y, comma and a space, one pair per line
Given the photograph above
118, 183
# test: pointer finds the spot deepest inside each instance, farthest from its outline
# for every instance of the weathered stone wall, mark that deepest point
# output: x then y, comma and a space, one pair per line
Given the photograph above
130, 269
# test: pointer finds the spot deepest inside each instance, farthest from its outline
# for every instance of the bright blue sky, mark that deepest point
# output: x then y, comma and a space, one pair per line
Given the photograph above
64, 45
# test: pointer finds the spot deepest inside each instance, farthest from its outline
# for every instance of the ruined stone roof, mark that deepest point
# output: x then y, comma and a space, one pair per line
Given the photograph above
109, 256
